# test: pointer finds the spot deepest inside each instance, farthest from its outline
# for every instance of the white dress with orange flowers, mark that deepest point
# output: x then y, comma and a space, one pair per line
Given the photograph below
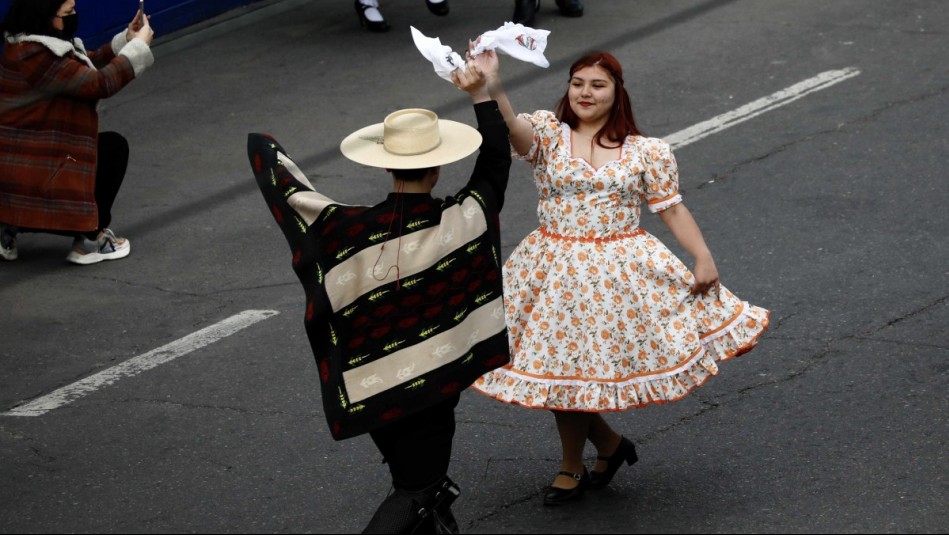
598, 310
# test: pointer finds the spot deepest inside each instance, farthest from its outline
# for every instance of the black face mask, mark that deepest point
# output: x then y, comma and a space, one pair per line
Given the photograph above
70, 25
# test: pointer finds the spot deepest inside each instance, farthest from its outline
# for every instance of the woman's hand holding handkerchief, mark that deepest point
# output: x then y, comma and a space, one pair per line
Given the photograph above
516, 40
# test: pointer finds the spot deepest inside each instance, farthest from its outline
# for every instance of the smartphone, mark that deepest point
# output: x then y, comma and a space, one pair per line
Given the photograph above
141, 9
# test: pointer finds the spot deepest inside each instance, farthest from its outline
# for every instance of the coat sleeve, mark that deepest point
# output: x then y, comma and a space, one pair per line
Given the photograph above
135, 51
101, 57
68, 75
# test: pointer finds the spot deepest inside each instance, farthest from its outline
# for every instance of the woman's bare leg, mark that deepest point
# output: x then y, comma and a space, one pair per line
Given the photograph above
604, 438
574, 427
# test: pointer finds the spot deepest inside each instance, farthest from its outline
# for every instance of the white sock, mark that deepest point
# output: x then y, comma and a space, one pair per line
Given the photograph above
372, 14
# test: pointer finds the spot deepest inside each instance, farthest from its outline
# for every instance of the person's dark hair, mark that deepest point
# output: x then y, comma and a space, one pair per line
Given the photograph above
31, 16
410, 175
621, 122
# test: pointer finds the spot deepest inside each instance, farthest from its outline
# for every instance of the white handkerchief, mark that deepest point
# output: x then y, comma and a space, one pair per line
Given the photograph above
518, 41
441, 56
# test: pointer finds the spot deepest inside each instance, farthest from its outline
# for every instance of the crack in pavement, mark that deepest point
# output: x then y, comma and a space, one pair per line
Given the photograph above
34, 446
250, 288
910, 315
901, 342
45, 458
789, 338
213, 293
779, 322
782, 148
199, 406
13, 434
138, 285
707, 407
514, 503
214, 462
831, 27
488, 422
831, 346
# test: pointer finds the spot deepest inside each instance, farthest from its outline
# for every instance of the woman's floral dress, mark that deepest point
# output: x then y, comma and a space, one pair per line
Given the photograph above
598, 310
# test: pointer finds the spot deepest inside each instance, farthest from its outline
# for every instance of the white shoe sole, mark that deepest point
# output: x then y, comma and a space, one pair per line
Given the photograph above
95, 258
8, 254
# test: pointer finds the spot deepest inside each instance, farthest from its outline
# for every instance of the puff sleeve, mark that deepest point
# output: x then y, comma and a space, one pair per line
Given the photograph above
546, 128
660, 176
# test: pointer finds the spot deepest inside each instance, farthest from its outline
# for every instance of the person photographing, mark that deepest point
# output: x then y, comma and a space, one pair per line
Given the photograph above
58, 173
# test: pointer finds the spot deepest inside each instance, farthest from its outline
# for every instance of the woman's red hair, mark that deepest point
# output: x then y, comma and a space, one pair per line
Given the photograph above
621, 122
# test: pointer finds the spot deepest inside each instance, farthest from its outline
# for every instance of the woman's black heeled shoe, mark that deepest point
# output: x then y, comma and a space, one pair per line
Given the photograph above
558, 496
626, 451
372, 25
438, 8
524, 11
570, 8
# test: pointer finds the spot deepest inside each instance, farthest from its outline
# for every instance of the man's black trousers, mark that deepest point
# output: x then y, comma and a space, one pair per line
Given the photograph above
417, 448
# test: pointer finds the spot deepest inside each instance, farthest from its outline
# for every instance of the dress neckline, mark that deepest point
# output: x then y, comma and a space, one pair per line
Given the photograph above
567, 133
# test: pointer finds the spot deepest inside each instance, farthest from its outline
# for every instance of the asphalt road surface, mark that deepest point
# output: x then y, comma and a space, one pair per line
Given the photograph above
174, 391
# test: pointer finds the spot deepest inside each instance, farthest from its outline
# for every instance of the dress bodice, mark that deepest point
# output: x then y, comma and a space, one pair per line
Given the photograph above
578, 200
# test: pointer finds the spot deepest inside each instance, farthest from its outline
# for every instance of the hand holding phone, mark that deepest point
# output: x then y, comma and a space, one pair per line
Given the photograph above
139, 27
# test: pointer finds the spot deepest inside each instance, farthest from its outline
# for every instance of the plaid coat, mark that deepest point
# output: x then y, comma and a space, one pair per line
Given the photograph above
49, 126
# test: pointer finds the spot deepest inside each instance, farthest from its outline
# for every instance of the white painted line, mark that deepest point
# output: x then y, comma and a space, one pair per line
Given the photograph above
141, 363
756, 108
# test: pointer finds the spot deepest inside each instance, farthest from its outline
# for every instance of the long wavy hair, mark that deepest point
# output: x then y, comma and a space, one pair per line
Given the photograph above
31, 17
621, 122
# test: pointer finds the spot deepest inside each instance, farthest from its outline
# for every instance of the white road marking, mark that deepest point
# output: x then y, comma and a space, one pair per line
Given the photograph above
141, 363
753, 109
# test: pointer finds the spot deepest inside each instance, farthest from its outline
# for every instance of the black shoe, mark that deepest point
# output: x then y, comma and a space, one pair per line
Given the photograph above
626, 451
422, 511
440, 9
558, 496
372, 25
524, 11
570, 8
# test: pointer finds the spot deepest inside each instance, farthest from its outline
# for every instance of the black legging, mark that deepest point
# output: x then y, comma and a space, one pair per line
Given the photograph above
418, 447
112, 162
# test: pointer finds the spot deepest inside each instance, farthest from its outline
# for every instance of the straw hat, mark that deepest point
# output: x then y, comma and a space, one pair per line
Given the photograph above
411, 139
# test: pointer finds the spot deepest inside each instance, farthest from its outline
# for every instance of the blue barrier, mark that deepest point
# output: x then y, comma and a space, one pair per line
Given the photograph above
99, 20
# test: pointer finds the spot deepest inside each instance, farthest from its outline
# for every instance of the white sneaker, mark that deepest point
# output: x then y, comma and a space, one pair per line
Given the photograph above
107, 247
7, 244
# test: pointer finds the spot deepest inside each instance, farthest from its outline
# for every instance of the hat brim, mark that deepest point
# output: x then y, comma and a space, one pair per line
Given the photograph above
364, 146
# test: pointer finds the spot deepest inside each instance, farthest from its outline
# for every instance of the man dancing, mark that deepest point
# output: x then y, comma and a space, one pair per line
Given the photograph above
404, 302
